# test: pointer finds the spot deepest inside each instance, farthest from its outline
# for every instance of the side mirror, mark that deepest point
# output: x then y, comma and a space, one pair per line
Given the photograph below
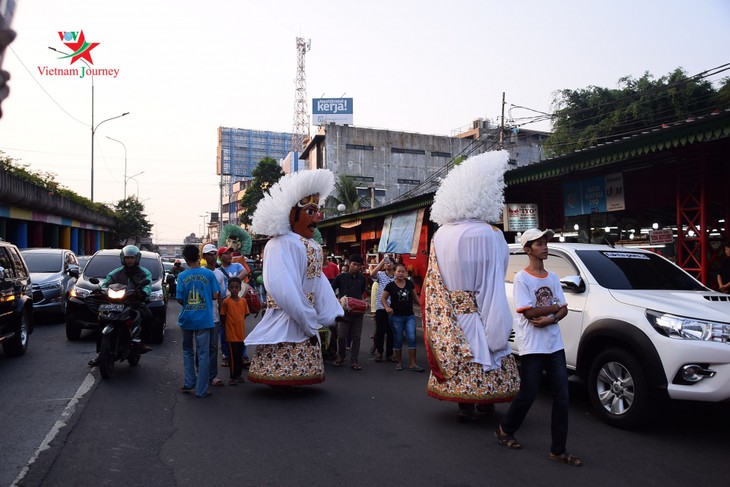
574, 284
94, 280
73, 270
2, 272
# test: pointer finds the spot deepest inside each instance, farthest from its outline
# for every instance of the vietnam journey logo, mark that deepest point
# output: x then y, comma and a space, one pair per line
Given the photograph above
80, 48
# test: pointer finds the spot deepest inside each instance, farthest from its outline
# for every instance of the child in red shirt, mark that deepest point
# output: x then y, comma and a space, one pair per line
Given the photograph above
233, 311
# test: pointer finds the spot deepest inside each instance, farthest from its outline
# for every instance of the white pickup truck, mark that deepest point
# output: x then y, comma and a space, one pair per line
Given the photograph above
639, 329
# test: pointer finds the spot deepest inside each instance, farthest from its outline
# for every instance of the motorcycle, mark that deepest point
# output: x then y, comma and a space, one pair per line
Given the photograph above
121, 325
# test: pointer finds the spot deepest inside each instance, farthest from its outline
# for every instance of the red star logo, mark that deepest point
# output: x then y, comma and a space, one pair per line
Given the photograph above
81, 49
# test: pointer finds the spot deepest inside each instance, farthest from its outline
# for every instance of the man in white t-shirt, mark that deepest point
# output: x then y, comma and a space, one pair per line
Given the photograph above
540, 305
209, 254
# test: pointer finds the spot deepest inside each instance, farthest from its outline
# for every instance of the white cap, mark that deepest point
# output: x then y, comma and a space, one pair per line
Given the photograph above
535, 234
209, 248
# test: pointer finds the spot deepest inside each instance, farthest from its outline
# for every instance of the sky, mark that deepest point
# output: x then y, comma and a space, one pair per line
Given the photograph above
187, 67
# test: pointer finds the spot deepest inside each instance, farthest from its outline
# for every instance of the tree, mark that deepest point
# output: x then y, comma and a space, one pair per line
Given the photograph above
346, 194
265, 174
593, 115
133, 224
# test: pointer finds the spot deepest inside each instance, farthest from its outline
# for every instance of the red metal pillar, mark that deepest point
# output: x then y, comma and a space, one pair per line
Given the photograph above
692, 243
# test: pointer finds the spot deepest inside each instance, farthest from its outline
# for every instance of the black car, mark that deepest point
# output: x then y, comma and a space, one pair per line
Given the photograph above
50, 271
16, 301
82, 308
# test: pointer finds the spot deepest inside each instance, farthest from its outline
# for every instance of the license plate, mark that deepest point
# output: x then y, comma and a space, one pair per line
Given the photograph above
111, 307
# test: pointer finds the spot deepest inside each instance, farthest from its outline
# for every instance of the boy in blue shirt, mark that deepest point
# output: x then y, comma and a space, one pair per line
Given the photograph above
197, 288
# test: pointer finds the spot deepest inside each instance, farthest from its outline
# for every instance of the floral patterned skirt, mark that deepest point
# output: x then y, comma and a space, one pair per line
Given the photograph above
287, 364
471, 384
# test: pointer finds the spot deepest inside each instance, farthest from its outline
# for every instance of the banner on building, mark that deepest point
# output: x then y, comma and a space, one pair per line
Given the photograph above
332, 110
519, 217
595, 195
400, 231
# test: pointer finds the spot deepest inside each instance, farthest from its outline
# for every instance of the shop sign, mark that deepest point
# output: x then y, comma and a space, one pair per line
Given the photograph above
347, 238
663, 236
519, 217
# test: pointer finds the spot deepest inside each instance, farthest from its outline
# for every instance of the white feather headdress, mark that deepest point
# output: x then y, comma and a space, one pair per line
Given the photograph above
474, 190
272, 212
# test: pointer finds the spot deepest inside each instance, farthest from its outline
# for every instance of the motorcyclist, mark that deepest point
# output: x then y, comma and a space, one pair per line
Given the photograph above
131, 274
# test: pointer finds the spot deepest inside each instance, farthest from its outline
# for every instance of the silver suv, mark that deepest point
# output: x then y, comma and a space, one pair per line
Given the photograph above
639, 329
52, 272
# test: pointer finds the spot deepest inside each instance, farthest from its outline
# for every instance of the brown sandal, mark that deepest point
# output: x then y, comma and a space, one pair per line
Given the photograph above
566, 458
507, 441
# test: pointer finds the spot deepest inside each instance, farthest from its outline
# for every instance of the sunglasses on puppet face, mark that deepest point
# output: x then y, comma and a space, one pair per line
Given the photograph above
311, 210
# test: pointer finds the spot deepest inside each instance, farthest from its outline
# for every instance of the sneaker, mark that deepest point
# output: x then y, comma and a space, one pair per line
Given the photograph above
225, 363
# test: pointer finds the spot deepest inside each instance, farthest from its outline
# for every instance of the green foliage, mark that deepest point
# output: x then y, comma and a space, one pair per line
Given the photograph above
133, 223
265, 174
346, 193
458, 160
47, 181
594, 115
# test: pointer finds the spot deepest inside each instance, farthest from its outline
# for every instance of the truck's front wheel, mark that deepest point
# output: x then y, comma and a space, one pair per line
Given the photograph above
618, 389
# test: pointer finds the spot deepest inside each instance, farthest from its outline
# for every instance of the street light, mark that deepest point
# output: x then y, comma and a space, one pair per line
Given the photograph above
93, 131
93, 128
125, 165
204, 216
135, 180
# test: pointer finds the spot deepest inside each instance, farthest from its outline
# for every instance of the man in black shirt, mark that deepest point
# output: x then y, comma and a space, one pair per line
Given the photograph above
723, 276
350, 284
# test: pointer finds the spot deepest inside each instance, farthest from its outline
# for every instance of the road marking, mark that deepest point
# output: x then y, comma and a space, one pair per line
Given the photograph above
65, 415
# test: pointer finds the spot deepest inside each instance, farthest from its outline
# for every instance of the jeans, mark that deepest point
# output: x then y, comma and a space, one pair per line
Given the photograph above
213, 353
225, 349
399, 324
383, 333
532, 366
201, 338
353, 329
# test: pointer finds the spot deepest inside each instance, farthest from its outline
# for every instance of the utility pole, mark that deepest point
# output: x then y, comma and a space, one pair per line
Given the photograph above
501, 126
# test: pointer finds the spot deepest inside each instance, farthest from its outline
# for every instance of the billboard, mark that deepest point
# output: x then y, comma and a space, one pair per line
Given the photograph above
595, 195
332, 110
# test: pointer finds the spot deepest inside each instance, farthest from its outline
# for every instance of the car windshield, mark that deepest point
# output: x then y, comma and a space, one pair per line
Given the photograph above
621, 269
101, 265
42, 262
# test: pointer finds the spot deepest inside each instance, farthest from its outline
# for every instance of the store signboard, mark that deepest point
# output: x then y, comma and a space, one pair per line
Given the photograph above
519, 217
663, 236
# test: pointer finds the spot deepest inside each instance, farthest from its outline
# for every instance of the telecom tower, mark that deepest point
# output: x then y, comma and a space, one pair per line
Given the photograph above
300, 131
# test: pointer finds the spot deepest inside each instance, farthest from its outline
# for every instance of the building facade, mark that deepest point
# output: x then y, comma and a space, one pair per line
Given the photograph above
387, 164
239, 151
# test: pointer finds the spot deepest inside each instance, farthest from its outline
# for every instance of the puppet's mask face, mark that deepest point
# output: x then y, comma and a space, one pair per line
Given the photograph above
233, 243
305, 216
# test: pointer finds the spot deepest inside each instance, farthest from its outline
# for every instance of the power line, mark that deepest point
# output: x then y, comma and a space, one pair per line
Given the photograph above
44, 90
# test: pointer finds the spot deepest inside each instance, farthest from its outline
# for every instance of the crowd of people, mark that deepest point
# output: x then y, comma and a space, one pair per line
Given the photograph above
466, 317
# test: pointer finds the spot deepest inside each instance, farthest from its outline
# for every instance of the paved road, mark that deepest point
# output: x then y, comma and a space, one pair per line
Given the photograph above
375, 427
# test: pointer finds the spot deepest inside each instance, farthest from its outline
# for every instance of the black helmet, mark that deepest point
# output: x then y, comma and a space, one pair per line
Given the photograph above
130, 251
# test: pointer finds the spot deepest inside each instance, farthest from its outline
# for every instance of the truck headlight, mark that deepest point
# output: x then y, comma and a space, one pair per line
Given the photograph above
157, 296
683, 328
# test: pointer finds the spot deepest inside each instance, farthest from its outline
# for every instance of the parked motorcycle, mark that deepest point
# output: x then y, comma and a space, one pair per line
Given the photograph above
121, 325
